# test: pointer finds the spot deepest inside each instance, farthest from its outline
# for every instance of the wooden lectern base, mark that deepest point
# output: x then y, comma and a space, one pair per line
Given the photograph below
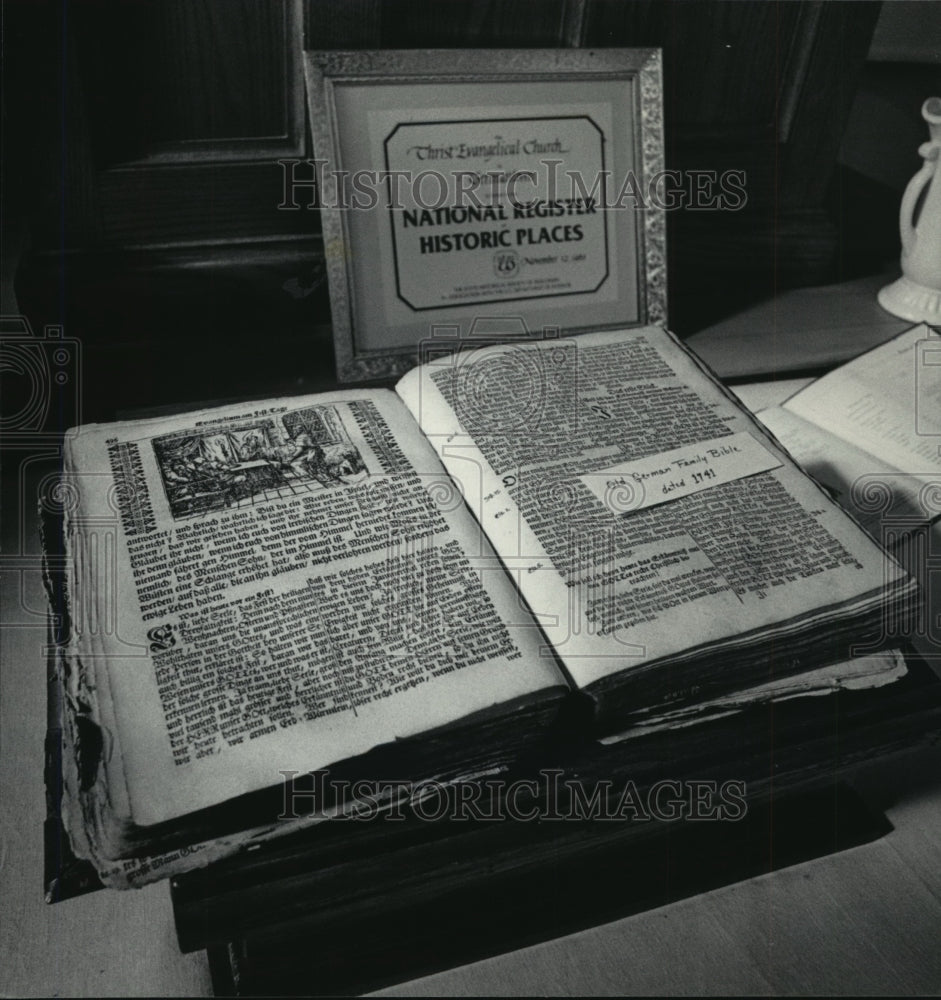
355, 905
603, 882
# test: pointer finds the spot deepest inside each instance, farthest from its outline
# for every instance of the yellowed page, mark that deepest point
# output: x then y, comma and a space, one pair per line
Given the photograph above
284, 603
616, 583
886, 402
866, 486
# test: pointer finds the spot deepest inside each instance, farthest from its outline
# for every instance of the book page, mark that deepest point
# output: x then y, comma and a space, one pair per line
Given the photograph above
886, 402
857, 480
281, 586
640, 509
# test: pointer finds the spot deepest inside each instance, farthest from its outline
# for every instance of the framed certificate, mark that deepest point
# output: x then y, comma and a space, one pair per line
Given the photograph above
485, 188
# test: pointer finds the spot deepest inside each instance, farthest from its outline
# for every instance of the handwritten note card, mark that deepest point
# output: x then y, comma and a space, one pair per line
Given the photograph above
670, 475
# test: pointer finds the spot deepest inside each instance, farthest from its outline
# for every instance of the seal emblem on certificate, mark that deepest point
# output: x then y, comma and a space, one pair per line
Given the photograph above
497, 209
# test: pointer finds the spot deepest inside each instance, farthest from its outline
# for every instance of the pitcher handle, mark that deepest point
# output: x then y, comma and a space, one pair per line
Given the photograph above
930, 151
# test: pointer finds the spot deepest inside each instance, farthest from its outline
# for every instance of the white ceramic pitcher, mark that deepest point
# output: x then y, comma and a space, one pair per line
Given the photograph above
916, 296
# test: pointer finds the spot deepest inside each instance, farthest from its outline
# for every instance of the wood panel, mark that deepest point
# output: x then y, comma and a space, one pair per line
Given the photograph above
176, 112
723, 61
473, 23
373, 24
823, 96
172, 80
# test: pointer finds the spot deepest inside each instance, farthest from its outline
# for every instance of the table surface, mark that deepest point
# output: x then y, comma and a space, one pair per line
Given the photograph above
865, 920
806, 329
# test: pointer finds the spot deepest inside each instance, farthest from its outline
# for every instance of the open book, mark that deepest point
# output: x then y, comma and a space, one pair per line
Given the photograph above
408, 585
870, 431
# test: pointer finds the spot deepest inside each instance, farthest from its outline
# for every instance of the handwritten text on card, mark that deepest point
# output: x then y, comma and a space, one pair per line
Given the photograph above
669, 475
